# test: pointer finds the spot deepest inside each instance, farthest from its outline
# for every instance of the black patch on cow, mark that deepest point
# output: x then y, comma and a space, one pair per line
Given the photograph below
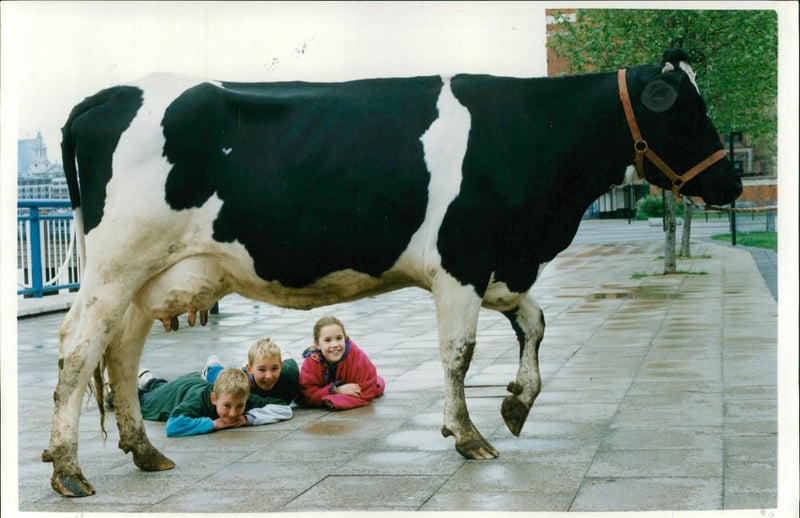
90, 137
537, 156
315, 178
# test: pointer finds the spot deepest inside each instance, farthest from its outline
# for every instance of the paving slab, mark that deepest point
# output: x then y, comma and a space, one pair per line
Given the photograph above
659, 393
649, 494
368, 493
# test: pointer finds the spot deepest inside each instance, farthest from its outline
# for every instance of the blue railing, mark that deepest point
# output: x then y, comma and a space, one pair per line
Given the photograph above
47, 258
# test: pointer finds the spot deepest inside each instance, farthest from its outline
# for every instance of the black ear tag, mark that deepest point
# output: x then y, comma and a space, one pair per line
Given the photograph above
659, 96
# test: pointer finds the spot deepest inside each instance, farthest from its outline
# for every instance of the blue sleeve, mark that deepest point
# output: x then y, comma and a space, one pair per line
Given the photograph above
213, 372
178, 426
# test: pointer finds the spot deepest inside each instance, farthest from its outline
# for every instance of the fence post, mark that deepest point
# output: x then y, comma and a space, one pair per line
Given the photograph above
36, 253
733, 203
770, 222
38, 247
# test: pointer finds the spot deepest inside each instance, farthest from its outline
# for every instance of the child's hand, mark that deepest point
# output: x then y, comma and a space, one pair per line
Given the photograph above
351, 389
221, 424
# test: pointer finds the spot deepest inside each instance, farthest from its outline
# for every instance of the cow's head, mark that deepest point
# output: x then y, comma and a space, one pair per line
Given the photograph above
674, 123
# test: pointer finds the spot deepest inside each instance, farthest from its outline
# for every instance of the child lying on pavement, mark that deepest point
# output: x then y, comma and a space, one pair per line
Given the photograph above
192, 406
336, 373
269, 375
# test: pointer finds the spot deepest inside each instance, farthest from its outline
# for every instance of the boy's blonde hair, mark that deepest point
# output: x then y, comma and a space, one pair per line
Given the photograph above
327, 320
263, 348
232, 381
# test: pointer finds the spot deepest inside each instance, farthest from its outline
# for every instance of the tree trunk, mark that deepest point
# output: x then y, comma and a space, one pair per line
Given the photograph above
669, 238
687, 228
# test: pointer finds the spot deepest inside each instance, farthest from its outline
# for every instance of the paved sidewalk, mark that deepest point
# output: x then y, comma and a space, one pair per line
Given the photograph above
658, 393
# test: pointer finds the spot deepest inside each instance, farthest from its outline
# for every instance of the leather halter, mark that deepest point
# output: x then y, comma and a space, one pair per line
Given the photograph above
643, 150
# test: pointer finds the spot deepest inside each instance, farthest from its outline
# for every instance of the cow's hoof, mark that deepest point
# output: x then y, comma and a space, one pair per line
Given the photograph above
514, 412
71, 485
476, 449
152, 461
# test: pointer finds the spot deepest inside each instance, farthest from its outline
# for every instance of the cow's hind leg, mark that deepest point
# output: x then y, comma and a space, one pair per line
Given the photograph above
122, 360
457, 310
528, 323
85, 332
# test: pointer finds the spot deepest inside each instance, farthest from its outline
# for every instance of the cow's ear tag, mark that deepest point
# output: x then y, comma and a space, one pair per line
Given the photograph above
659, 96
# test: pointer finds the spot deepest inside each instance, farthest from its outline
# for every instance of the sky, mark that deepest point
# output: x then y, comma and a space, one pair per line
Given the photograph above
67, 51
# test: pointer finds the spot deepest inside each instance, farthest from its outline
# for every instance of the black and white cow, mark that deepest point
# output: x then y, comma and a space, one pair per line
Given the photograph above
305, 194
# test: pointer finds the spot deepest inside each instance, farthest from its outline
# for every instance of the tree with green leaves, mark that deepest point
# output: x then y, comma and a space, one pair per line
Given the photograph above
733, 53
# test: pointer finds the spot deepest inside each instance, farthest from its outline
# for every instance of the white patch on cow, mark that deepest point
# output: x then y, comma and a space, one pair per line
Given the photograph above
457, 308
499, 298
445, 145
340, 286
195, 282
669, 67
689, 72
80, 238
135, 197
227, 151
630, 177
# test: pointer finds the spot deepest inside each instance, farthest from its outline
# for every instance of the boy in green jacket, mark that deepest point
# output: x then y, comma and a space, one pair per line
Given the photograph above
192, 406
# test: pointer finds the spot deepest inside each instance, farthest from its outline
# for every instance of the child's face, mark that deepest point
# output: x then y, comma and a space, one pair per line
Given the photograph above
331, 342
229, 408
265, 372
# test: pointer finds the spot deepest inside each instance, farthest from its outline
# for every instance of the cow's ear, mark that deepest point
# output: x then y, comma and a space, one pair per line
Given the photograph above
659, 95
675, 56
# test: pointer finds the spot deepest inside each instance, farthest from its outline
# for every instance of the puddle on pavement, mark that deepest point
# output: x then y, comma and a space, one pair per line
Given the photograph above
330, 428
634, 293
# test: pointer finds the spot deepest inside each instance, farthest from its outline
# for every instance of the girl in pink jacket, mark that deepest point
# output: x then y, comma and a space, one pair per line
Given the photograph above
336, 373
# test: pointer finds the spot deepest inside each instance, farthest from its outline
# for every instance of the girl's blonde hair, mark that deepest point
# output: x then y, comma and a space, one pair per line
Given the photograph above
232, 381
327, 320
263, 348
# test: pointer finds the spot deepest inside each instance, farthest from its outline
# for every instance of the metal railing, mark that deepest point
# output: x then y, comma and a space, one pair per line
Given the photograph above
47, 256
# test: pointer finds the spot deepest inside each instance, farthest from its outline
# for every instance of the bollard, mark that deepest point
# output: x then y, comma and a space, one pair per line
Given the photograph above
36, 253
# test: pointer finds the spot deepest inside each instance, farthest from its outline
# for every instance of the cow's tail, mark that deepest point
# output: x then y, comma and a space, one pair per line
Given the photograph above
97, 385
99, 394
71, 174
69, 159
68, 156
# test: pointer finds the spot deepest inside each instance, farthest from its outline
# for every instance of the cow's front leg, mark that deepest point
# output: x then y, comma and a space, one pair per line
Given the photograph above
85, 332
457, 310
528, 323
122, 361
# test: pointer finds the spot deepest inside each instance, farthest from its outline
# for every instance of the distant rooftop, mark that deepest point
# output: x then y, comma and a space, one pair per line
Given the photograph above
32, 159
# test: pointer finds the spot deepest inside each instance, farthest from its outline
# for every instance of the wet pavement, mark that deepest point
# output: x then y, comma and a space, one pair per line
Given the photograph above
659, 393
